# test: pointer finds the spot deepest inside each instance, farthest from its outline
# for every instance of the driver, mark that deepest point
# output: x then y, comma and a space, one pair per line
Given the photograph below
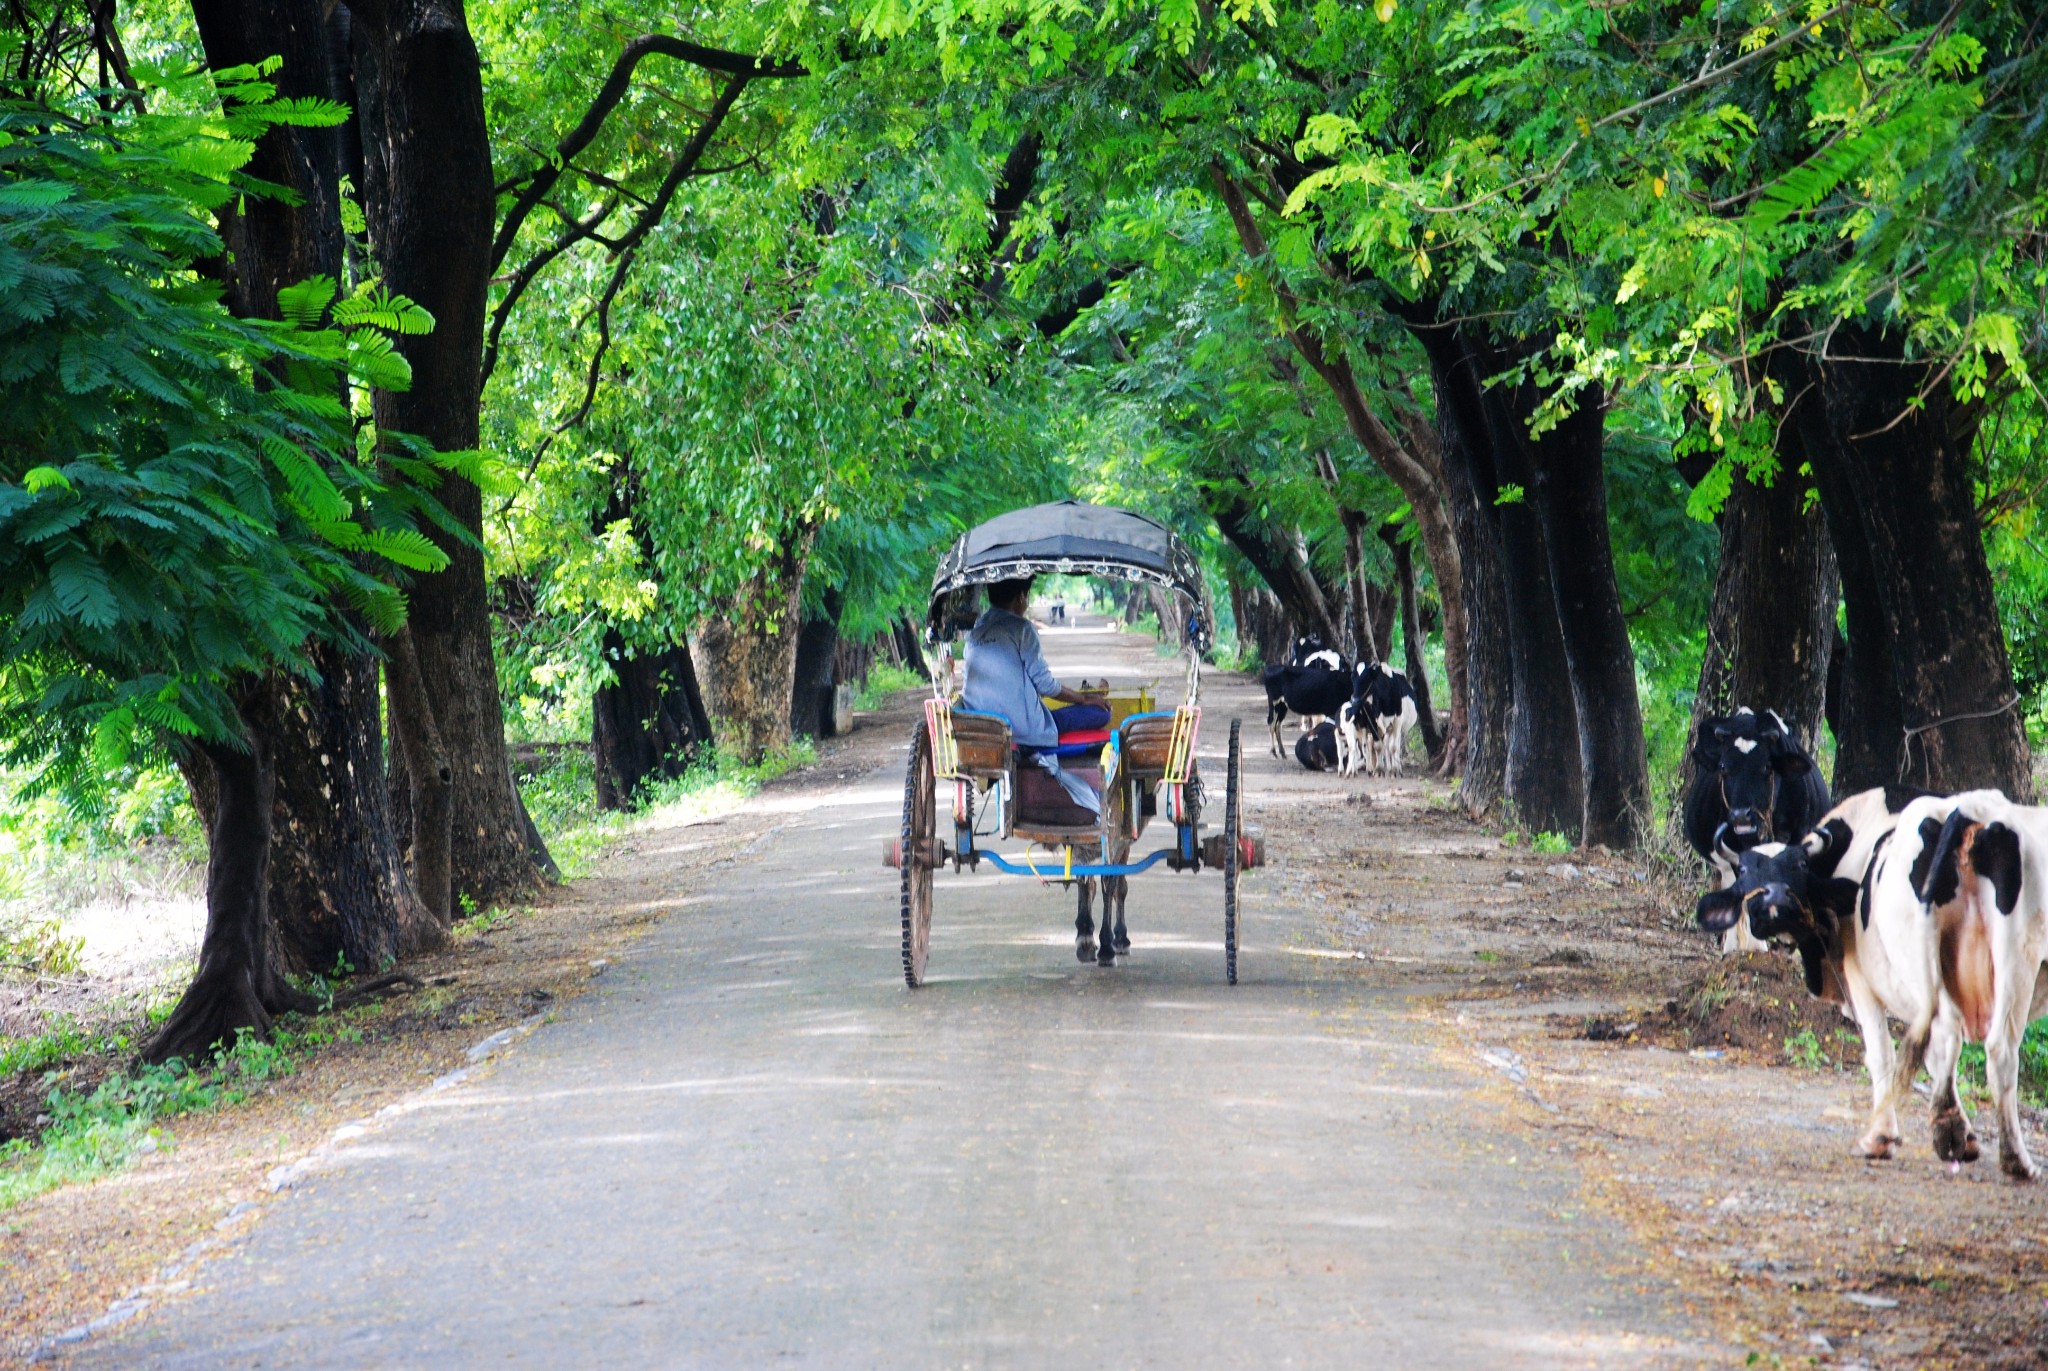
1007, 675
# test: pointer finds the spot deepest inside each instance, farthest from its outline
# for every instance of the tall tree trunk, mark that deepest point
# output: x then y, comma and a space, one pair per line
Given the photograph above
749, 656
430, 776
428, 195
338, 888
237, 985
648, 721
1542, 777
1570, 492
1771, 631
1891, 476
817, 647
1483, 607
1262, 623
1416, 664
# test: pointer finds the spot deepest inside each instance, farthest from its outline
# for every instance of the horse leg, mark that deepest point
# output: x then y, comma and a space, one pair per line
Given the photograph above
1084, 922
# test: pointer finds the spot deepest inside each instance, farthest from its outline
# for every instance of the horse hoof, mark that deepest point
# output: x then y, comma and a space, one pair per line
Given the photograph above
1084, 949
1106, 955
1123, 943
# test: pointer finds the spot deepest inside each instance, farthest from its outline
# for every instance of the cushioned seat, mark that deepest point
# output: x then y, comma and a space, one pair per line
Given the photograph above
1082, 743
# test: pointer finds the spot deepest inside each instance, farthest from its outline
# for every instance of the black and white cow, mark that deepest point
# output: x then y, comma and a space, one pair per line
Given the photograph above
1314, 692
1845, 896
1317, 749
1976, 903
1309, 651
1382, 704
1755, 784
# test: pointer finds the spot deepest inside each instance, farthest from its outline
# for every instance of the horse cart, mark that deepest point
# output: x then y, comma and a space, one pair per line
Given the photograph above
1143, 767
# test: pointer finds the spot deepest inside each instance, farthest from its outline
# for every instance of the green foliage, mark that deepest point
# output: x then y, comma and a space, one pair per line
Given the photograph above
183, 498
885, 679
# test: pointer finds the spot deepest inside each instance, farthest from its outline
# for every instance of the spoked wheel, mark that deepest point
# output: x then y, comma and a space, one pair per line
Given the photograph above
920, 825
1233, 826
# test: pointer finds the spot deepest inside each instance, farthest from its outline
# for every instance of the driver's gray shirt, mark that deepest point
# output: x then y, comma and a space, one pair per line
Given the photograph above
1006, 675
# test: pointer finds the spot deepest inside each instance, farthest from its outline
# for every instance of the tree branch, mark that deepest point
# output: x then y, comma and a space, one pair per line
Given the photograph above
542, 179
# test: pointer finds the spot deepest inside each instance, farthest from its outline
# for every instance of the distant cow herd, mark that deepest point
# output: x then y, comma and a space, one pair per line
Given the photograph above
1355, 717
1928, 909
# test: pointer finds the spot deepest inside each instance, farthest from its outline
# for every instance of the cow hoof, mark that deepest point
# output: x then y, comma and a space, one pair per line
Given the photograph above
2018, 1167
1878, 1146
1084, 949
1953, 1140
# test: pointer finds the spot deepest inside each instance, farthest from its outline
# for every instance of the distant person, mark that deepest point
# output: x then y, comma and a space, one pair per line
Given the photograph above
1059, 611
1007, 675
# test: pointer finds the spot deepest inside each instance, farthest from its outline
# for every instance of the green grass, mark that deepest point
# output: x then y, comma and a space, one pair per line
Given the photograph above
1549, 844
884, 680
2033, 1065
563, 800
94, 1132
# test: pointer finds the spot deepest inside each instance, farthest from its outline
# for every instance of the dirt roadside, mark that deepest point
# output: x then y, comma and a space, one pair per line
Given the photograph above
1570, 985
1614, 1033
68, 1257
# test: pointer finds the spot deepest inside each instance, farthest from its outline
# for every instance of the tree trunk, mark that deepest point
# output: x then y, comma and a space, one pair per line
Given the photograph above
749, 657
1262, 623
1279, 565
237, 985
430, 776
1771, 631
817, 647
648, 721
338, 888
1417, 665
906, 637
1542, 777
428, 194
1489, 655
1570, 493
1892, 479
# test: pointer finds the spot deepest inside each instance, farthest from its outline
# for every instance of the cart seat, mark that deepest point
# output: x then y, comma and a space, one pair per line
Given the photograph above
1082, 742
1042, 804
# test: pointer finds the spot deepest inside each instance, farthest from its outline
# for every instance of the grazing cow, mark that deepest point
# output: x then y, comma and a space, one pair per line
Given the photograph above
1977, 902
1383, 702
1843, 895
1755, 784
1317, 749
1311, 691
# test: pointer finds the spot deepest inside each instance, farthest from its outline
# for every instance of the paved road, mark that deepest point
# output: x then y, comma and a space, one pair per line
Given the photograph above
752, 1146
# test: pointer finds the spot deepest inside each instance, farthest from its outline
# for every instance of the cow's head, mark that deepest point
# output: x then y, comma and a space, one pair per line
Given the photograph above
1306, 646
1784, 901
1749, 756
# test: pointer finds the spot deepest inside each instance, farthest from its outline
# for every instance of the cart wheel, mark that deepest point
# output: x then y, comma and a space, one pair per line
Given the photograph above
920, 824
1233, 825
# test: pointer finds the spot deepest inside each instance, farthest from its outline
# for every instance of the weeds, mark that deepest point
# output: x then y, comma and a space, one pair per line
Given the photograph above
2033, 1064
90, 1133
884, 680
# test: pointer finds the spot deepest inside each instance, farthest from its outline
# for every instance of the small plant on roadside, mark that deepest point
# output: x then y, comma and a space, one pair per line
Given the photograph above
1552, 844
885, 679
1804, 1050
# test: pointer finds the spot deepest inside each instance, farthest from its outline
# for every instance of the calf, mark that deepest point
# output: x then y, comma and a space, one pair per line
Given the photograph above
1843, 895
1317, 748
1311, 691
1977, 907
1383, 703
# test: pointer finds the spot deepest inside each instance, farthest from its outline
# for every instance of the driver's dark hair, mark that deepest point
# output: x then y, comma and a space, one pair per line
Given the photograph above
1006, 592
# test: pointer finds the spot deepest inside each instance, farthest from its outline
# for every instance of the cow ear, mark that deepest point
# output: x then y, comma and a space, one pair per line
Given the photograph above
1719, 909
1706, 745
1792, 763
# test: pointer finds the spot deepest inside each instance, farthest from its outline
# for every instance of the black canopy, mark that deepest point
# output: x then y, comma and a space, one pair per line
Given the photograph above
1069, 538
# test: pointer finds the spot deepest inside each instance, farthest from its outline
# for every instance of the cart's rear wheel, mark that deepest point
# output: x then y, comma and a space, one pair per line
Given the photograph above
920, 825
1233, 826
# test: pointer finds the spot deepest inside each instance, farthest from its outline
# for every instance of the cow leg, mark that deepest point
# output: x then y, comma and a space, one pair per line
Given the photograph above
1882, 1135
1348, 759
1954, 1139
1117, 887
1084, 922
1276, 714
2002, 1067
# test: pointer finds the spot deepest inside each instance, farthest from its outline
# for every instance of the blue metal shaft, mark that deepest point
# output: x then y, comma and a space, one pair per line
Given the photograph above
1057, 870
